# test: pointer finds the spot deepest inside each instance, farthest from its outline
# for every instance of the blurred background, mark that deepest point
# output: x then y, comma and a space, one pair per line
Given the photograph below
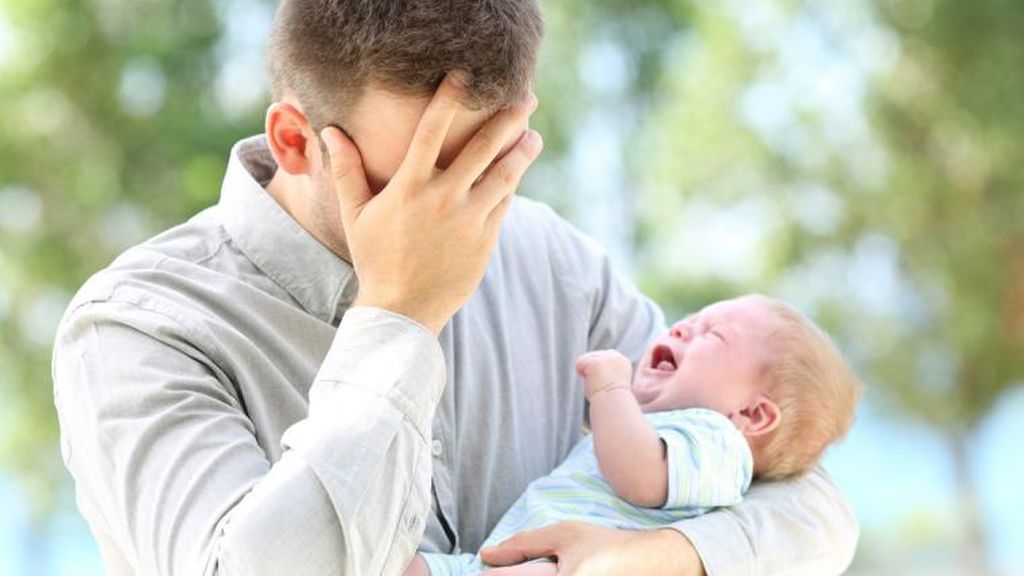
858, 158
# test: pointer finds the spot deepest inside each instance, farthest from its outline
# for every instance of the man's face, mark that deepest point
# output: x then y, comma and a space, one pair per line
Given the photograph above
712, 359
382, 124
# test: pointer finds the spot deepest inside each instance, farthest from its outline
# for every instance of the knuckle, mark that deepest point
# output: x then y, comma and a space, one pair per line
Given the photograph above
485, 141
506, 174
342, 166
452, 91
429, 132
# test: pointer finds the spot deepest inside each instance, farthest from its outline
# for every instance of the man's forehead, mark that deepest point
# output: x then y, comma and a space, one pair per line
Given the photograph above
376, 98
386, 111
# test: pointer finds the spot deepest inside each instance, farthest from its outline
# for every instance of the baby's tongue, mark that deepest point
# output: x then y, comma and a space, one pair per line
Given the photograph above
665, 365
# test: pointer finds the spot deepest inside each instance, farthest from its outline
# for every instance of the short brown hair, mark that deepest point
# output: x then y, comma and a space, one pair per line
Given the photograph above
815, 389
327, 52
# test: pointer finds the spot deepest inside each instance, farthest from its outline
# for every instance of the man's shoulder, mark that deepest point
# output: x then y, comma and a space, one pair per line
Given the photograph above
156, 267
535, 228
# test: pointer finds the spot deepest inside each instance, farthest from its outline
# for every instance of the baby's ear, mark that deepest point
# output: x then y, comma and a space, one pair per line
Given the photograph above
760, 418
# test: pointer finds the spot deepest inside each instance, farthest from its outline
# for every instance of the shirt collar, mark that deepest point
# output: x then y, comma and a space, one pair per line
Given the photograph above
321, 282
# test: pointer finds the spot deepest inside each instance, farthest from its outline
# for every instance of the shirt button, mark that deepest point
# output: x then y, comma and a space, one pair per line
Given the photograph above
436, 448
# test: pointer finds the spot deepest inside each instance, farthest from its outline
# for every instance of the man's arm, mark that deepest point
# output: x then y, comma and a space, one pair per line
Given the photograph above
167, 465
798, 526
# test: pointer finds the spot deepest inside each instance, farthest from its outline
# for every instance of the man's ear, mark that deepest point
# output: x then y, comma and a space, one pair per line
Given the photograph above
759, 418
288, 132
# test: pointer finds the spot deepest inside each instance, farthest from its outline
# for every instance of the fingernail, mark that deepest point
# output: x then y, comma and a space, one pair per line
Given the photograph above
533, 139
460, 78
528, 101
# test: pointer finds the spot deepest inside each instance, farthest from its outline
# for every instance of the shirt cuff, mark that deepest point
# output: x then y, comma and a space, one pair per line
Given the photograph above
722, 544
385, 354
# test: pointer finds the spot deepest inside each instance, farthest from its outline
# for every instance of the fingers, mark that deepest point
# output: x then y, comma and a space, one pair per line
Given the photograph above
526, 546
485, 146
497, 215
583, 364
587, 360
346, 173
502, 179
433, 128
530, 569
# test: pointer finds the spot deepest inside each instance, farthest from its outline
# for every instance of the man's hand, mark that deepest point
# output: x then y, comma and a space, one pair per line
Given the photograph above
421, 246
417, 567
604, 370
589, 550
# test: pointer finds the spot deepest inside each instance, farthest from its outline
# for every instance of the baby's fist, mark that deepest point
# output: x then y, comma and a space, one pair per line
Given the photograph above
604, 369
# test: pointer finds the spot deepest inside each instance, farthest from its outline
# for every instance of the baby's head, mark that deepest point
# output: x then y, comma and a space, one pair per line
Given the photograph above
777, 376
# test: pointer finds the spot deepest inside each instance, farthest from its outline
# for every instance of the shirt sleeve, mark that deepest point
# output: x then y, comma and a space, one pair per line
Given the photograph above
709, 462
796, 527
167, 465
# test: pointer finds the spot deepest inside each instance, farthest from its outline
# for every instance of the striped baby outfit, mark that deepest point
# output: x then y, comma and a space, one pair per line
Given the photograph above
709, 466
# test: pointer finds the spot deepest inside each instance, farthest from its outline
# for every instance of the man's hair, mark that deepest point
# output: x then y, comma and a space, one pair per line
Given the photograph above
326, 52
815, 389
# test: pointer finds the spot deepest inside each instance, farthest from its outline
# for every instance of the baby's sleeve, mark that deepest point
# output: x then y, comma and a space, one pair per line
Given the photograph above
709, 461
452, 564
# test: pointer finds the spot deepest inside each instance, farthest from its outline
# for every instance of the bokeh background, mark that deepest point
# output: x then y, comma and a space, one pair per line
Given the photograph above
859, 158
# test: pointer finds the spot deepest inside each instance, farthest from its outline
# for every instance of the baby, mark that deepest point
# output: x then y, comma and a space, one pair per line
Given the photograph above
746, 388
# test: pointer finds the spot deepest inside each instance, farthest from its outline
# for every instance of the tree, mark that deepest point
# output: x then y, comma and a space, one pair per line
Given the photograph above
114, 129
916, 179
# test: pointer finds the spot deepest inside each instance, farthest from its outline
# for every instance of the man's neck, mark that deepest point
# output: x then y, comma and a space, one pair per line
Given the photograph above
295, 195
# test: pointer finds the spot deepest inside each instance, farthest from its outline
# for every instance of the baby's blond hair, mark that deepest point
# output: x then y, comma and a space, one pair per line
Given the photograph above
815, 389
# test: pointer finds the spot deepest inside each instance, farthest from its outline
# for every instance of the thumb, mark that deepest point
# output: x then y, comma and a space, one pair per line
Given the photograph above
346, 173
524, 546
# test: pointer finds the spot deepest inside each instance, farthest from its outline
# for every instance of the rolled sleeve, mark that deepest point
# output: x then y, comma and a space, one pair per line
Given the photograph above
168, 468
384, 354
368, 433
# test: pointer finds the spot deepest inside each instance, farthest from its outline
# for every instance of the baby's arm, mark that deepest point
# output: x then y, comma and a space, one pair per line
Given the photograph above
629, 452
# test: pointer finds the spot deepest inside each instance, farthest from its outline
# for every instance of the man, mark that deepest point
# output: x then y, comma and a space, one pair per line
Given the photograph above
233, 400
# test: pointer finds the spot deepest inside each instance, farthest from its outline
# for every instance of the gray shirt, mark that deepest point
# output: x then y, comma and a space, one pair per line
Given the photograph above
223, 410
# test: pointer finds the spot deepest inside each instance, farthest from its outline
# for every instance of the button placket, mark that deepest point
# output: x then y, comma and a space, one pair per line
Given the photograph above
442, 444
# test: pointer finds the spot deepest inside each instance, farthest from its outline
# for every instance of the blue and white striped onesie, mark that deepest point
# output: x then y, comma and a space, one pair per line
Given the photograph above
709, 466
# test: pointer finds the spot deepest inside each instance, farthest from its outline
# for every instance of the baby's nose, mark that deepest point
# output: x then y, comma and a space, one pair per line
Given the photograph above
680, 330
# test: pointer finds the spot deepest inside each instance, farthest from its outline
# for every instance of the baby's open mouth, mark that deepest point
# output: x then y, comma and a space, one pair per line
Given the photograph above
663, 359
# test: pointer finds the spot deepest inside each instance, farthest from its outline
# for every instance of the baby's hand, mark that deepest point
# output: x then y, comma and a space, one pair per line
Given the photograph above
604, 370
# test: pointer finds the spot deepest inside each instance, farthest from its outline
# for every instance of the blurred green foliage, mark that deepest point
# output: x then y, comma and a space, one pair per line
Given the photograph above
867, 153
